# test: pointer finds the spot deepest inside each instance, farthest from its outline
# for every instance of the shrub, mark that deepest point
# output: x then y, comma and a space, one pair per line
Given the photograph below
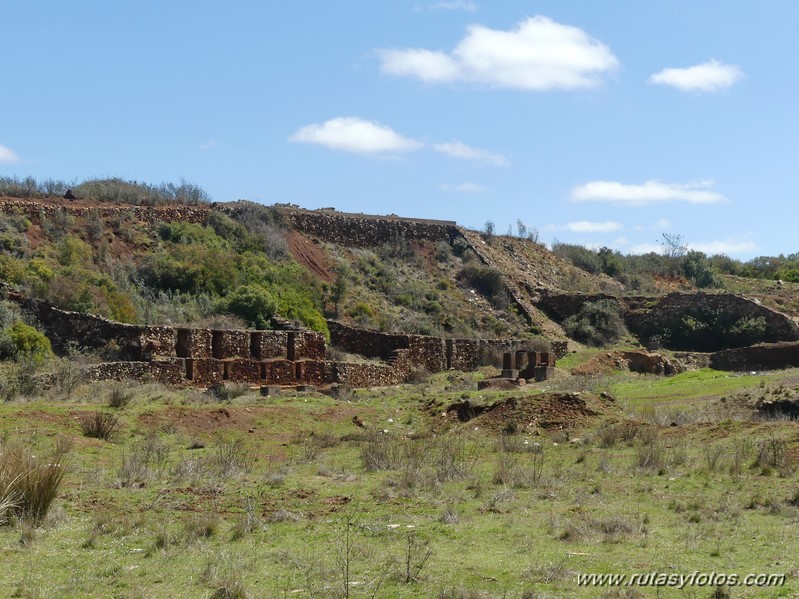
581, 257
697, 268
29, 341
486, 280
253, 303
597, 323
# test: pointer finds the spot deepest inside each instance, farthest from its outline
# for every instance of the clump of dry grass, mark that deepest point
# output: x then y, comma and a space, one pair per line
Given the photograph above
100, 425
29, 484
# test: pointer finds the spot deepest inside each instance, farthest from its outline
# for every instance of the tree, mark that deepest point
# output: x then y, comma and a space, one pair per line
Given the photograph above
698, 269
488, 230
673, 246
611, 261
674, 250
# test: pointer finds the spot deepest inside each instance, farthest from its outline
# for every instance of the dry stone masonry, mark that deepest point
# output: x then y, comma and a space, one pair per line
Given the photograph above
203, 357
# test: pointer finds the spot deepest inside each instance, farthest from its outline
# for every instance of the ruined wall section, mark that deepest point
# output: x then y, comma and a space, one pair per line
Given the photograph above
145, 214
645, 314
434, 354
771, 356
366, 230
562, 305
365, 342
779, 326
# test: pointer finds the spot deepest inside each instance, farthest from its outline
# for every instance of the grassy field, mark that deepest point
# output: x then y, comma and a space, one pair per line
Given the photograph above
234, 495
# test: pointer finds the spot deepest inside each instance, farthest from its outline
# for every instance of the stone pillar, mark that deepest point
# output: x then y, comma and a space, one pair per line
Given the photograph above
508, 371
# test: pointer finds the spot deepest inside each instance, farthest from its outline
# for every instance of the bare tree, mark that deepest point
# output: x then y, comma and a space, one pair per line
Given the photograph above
673, 246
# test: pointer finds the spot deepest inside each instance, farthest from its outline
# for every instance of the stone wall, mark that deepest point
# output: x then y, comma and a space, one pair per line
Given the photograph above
366, 230
144, 342
365, 342
645, 315
145, 214
770, 356
434, 354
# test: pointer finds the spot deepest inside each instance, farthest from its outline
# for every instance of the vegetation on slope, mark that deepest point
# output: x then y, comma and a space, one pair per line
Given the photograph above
181, 273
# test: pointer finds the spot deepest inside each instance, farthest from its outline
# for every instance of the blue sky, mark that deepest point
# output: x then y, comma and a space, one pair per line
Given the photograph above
600, 123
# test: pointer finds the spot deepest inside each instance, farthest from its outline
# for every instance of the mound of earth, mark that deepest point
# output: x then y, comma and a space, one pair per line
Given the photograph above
549, 411
634, 361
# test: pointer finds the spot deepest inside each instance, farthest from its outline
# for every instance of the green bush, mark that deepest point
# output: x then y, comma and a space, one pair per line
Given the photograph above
253, 303
708, 330
486, 280
29, 342
700, 271
362, 310
597, 323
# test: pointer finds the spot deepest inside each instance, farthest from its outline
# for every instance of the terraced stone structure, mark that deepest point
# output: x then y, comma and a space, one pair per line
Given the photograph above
291, 356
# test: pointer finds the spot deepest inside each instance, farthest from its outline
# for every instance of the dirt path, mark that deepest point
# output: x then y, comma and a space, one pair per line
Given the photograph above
311, 256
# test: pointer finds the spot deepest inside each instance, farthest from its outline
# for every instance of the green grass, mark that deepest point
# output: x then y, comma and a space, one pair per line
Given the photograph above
280, 527
685, 388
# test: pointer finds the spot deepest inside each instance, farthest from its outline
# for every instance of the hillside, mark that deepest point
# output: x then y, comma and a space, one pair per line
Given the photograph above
180, 264
241, 265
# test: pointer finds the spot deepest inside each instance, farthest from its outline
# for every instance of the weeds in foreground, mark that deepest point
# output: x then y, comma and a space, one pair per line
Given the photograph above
233, 459
100, 425
28, 484
138, 465
119, 397
417, 553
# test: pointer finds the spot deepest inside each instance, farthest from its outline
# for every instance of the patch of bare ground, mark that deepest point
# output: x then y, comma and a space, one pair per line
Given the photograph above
548, 411
261, 422
311, 256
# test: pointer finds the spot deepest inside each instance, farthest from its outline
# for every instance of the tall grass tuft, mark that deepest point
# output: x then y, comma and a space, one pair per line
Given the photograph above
100, 425
29, 484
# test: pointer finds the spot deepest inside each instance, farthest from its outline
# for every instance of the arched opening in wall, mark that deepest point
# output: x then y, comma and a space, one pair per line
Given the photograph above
291, 346
299, 371
218, 344
225, 371
189, 369
263, 371
256, 342
183, 343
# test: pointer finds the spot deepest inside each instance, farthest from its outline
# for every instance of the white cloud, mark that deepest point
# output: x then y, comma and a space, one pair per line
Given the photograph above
658, 225
458, 149
454, 5
353, 134
662, 223
727, 246
208, 145
585, 226
651, 192
646, 248
7, 155
539, 54
710, 76
463, 188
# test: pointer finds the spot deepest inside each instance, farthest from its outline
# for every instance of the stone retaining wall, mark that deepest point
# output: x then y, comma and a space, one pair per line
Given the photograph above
366, 230
771, 356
